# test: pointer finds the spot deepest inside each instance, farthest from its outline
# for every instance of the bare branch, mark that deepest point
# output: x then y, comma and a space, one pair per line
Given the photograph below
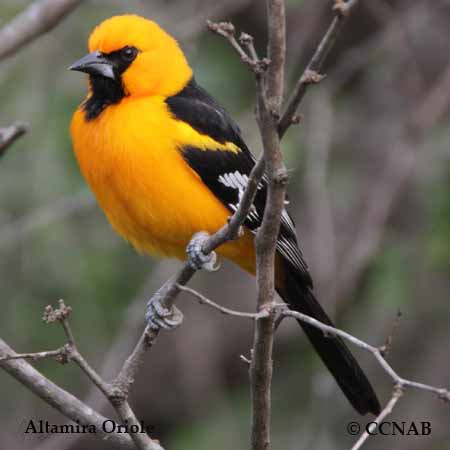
166, 295
442, 393
41, 16
9, 135
69, 352
342, 10
276, 51
60, 315
206, 301
58, 354
269, 98
386, 348
270, 86
58, 398
117, 399
124, 341
227, 30
400, 383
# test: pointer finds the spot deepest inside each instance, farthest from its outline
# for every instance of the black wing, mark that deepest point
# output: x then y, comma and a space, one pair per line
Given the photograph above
225, 172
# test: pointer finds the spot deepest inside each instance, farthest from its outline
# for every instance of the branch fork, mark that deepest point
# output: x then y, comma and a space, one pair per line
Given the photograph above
344, 7
248, 56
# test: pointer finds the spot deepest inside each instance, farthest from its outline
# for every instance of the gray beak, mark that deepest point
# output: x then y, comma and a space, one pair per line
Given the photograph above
94, 64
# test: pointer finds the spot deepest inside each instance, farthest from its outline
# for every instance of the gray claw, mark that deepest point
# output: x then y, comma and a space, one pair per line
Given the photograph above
197, 259
159, 317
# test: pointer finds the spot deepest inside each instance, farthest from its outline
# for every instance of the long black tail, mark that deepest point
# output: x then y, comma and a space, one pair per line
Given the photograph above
332, 350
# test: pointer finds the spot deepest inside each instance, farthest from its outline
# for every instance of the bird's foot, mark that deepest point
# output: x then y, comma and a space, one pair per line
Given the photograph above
197, 259
159, 316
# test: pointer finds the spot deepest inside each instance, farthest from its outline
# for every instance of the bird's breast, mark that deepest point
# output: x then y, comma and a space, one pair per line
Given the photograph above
130, 157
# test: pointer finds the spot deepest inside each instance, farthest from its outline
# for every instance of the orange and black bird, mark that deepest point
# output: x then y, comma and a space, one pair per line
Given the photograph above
165, 162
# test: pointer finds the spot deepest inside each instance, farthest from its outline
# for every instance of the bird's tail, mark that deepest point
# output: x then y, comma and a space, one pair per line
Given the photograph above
331, 349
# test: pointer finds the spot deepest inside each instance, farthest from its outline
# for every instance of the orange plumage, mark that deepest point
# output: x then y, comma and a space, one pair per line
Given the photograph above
129, 155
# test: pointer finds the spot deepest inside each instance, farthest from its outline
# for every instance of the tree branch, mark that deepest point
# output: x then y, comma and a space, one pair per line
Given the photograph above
270, 86
270, 90
124, 341
69, 352
58, 354
58, 398
396, 395
230, 312
400, 383
9, 135
38, 18
311, 74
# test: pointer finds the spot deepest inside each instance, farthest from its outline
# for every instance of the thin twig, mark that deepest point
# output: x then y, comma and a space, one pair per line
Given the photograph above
58, 353
396, 395
311, 74
231, 312
227, 30
386, 348
442, 393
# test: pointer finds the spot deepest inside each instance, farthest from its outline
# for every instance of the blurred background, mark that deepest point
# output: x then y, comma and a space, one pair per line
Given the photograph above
369, 190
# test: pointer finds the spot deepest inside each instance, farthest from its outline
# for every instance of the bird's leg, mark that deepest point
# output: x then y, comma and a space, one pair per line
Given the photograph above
159, 316
197, 259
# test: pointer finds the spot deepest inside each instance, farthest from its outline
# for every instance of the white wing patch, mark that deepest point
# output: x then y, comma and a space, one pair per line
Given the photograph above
287, 243
286, 219
237, 180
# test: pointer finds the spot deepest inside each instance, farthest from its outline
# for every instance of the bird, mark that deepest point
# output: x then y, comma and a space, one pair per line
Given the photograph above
166, 162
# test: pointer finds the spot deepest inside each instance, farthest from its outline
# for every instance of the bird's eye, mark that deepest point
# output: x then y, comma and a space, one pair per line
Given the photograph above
128, 53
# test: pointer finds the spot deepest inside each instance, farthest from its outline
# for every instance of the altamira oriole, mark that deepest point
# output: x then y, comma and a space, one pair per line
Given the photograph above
165, 161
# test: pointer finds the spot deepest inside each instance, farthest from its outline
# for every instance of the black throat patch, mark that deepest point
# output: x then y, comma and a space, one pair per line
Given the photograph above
105, 92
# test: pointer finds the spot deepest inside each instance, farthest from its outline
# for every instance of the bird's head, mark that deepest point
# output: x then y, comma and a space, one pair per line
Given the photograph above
133, 56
